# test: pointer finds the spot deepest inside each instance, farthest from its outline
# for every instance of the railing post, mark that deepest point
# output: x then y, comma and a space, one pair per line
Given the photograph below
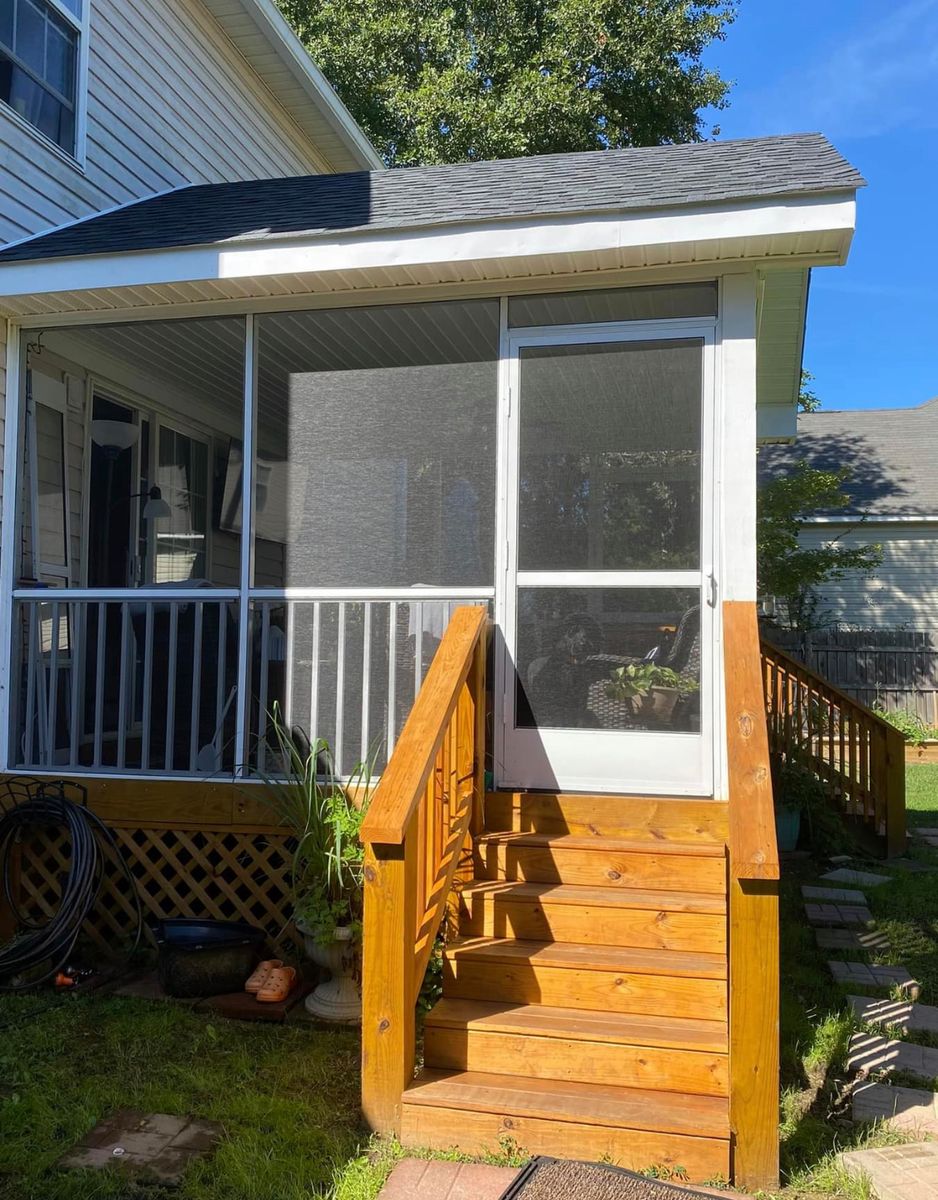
390, 931
895, 794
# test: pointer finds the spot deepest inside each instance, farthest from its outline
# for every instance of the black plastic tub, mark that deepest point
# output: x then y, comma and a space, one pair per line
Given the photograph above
206, 958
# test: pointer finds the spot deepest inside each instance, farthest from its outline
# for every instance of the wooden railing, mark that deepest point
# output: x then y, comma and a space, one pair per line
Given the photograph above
425, 808
858, 756
753, 870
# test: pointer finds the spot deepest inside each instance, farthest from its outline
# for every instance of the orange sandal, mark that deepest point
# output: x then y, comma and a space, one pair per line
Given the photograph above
278, 986
261, 974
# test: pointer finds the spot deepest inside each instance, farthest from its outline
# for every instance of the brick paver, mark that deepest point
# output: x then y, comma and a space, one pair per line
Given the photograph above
908, 1172
154, 1144
901, 1014
851, 939
857, 974
833, 895
913, 1110
857, 878
871, 1054
414, 1179
838, 914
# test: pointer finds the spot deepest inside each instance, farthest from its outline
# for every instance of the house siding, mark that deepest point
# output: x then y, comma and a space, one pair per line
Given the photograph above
902, 591
170, 102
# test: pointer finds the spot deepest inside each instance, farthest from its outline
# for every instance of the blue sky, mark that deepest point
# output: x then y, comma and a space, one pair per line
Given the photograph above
864, 72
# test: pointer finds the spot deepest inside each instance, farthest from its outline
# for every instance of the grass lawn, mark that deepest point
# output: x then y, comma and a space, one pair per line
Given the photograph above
287, 1096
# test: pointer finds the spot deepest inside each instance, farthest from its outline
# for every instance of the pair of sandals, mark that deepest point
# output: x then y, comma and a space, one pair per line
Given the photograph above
271, 982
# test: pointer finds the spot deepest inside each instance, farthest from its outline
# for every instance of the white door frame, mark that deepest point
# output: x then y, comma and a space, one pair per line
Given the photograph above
531, 757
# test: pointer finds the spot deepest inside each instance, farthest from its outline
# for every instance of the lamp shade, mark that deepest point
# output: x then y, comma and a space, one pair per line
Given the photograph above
114, 436
156, 507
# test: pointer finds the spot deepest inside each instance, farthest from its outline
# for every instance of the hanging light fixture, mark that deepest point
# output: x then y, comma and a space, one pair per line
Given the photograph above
156, 507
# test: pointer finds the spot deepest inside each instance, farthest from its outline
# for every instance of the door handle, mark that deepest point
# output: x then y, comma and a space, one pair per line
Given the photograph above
712, 590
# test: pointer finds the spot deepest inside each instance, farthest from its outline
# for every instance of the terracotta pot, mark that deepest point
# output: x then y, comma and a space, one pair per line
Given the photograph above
659, 704
338, 999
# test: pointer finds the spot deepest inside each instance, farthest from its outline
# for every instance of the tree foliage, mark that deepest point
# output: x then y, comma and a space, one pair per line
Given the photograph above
788, 570
438, 81
808, 400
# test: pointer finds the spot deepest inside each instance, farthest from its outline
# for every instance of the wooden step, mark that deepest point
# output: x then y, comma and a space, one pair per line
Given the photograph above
601, 978
666, 920
537, 1042
647, 818
601, 862
634, 1127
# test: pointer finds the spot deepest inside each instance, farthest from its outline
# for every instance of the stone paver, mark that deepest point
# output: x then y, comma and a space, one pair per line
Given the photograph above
908, 1172
414, 1179
912, 1110
857, 878
900, 1014
833, 895
838, 914
851, 939
857, 974
872, 1054
154, 1143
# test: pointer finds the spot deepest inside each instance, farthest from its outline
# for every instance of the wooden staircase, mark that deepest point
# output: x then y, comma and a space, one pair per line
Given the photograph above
584, 1006
612, 988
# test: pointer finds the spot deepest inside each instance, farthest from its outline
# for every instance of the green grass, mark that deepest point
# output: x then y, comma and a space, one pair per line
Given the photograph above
288, 1096
921, 783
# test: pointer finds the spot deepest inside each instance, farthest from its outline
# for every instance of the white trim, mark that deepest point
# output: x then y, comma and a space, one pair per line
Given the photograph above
872, 519
117, 595
9, 531
711, 231
246, 574
602, 579
287, 46
416, 593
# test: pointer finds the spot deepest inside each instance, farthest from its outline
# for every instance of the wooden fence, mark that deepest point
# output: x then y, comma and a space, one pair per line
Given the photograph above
892, 668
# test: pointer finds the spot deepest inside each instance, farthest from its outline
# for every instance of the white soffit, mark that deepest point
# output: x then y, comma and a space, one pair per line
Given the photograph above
806, 231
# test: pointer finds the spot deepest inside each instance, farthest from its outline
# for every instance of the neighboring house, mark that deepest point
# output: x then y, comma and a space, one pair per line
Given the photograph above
264, 437
893, 490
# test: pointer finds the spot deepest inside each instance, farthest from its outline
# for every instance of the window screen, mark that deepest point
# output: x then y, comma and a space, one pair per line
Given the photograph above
376, 446
619, 304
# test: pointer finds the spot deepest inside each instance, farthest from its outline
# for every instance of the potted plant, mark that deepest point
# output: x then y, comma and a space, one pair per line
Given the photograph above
652, 691
325, 818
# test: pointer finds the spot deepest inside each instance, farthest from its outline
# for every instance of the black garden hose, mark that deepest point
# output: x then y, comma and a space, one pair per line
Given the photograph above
41, 948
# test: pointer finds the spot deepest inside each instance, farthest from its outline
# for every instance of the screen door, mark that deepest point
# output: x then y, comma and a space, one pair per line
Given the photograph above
606, 675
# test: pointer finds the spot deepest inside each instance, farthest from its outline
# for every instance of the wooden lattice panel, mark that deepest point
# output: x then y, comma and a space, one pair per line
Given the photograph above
220, 874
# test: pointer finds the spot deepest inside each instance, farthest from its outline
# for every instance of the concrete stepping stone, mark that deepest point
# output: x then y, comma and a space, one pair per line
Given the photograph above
857, 878
852, 915
857, 974
850, 939
154, 1144
833, 895
907, 1172
873, 1054
899, 1014
913, 1110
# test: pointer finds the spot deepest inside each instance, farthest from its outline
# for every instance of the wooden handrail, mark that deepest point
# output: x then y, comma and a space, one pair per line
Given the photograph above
857, 755
426, 805
753, 871
753, 846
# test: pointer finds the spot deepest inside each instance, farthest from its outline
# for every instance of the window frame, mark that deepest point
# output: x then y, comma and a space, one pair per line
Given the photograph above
80, 25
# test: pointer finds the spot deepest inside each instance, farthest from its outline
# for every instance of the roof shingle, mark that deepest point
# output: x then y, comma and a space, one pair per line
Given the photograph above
597, 181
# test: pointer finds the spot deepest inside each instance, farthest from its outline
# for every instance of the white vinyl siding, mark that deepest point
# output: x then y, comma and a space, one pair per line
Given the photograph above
170, 101
902, 591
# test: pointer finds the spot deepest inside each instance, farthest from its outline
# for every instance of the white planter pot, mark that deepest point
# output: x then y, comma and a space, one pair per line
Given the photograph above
338, 999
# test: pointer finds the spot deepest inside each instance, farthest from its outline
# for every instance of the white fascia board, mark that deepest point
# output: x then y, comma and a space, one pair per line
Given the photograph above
287, 45
776, 423
752, 224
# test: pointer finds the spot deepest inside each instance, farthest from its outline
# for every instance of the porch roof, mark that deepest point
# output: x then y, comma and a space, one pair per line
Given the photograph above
271, 210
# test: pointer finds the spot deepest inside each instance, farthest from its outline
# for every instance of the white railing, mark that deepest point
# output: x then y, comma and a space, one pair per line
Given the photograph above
158, 681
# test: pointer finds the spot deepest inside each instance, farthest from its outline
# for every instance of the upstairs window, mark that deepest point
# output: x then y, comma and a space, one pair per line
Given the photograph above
39, 45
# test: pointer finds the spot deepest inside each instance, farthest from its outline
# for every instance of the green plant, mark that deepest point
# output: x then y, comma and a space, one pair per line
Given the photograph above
325, 817
635, 681
909, 724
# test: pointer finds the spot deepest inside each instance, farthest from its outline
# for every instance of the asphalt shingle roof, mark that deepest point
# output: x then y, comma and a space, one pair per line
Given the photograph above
597, 181
892, 454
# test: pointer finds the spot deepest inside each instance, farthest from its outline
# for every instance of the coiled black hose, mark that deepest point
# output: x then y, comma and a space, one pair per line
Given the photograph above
41, 948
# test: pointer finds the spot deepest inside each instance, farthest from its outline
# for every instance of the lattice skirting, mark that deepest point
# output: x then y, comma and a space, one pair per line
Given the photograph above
180, 873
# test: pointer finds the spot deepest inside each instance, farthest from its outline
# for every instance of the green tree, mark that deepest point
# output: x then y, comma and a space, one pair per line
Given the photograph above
808, 400
789, 571
437, 81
